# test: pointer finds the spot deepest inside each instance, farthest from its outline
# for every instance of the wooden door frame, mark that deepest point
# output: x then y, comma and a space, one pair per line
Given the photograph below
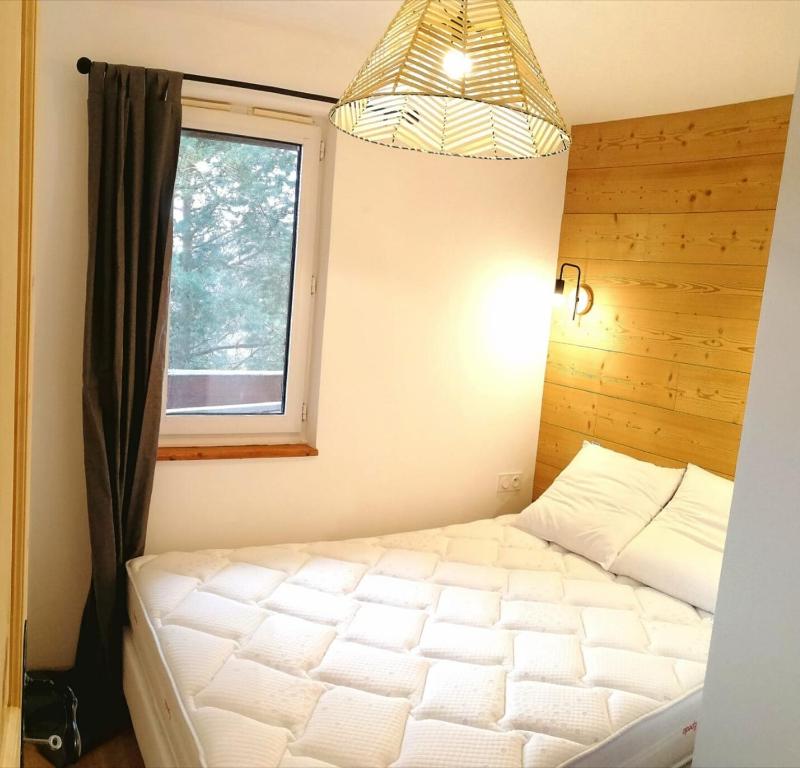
12, 693
23, 356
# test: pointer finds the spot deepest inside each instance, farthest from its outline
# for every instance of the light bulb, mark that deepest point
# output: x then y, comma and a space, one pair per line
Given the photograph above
456, 64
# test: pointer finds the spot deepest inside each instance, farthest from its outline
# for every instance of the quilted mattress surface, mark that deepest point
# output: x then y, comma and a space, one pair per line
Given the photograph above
470, 645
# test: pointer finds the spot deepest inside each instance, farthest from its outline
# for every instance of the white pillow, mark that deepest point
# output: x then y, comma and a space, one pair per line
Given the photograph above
600, 502
680, 552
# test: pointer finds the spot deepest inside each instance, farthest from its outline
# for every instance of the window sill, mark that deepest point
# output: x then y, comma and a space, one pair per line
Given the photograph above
221, 452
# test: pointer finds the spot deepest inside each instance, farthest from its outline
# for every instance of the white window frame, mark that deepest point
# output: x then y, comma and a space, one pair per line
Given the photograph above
289, 426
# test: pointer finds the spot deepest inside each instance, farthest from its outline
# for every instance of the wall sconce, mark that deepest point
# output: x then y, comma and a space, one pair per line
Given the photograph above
584, 296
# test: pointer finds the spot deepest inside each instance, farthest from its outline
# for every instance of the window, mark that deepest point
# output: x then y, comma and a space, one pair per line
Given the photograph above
240, 303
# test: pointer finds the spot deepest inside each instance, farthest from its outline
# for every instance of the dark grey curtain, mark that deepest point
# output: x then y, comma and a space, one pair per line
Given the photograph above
134, 137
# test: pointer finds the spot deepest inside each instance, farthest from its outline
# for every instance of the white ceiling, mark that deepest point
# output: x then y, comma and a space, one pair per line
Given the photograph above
604, 59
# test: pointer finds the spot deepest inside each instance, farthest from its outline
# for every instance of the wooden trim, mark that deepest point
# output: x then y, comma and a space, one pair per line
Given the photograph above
11, 719
217, 452
19, 557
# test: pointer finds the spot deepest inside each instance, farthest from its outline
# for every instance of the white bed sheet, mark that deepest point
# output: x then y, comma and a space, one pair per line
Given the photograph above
471, 645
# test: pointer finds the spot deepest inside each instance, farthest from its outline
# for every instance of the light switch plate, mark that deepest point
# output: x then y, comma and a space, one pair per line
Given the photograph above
509, 482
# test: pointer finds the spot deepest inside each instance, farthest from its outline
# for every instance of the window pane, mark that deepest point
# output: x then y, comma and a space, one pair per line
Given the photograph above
235, 216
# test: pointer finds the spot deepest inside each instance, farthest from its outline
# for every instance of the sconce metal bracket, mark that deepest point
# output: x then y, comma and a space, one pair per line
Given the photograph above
560, 285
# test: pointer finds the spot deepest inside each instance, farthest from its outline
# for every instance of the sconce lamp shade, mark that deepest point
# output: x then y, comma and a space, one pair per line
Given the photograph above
454, 77
585, 300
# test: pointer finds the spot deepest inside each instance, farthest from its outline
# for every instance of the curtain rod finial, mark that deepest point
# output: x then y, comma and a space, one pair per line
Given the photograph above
84, 65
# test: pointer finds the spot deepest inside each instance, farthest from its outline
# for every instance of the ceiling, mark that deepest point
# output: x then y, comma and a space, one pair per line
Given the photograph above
603, 59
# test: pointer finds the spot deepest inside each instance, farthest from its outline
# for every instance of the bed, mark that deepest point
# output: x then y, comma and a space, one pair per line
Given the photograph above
477, 644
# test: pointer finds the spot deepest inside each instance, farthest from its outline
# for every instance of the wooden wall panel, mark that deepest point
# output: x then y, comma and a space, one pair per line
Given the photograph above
716, 342
732, 184
640, 379
721, 237
736, 130
712, 392
558, 445
562, 445
571, 408
670, 219
543, 475
683, 437
720, 290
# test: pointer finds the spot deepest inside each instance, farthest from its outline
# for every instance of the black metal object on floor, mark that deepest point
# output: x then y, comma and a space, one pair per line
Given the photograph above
49, 719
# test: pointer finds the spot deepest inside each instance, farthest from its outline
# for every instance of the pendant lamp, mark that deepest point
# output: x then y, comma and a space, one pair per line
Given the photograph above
454, 77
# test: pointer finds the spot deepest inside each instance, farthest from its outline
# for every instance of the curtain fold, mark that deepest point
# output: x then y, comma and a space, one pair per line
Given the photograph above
134, 138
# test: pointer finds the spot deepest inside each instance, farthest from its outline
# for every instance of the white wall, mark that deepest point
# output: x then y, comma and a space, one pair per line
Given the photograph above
437, 305
751, 700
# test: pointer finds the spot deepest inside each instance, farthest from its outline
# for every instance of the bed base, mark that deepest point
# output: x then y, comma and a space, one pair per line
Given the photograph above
154, 744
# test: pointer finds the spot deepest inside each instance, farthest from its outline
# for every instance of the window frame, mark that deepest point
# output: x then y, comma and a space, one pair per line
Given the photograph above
207, 429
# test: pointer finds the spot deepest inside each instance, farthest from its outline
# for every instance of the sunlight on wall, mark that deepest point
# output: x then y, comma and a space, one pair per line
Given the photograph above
514, 316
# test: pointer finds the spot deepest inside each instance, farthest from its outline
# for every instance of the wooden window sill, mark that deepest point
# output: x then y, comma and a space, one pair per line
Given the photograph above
209, 452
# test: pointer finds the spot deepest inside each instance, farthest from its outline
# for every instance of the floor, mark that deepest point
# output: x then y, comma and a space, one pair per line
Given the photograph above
119, 752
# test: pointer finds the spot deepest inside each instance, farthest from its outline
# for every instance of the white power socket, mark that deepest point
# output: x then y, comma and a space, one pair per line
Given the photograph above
510, 482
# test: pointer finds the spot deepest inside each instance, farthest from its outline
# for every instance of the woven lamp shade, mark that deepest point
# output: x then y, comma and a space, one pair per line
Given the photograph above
454, 77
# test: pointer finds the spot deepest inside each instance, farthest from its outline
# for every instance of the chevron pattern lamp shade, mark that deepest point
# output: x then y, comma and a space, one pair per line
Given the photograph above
454, 77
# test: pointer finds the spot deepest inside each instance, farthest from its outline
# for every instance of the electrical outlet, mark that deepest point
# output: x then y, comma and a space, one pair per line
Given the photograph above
509, 482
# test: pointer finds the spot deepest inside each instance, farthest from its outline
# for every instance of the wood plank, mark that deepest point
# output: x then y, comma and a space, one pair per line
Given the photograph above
679, 436
616, 374
733, 130
712, 393
699, 289
636, 453
215, 452
736, 184
716, 342
543, 478
545, 474
571, 408
10, 731
558, 445
722, 237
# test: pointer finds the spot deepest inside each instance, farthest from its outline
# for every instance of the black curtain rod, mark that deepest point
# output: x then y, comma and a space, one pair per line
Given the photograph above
84, 64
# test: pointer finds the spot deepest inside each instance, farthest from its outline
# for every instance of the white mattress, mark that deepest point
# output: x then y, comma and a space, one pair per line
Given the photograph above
471, 645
